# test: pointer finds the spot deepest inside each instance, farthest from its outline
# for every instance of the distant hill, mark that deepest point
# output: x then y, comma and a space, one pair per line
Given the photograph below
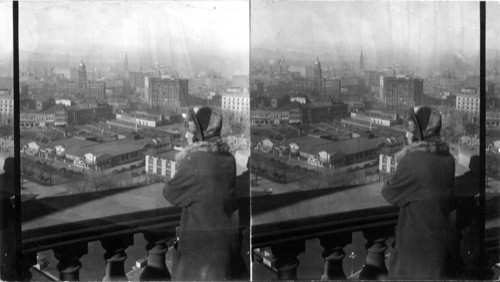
455, 62
227, 64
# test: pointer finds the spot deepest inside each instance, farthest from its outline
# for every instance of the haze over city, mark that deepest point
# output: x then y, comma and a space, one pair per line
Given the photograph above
314, 98
422, 35
6, 39
189, 36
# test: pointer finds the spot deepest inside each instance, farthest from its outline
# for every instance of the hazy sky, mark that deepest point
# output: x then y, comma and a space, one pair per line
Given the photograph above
6, 44
493, 25
415, 30
162, 29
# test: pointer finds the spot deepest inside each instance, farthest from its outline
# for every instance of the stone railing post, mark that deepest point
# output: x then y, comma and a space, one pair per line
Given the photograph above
375, 268
28, 260
69, 261
157, 247
10, 228
286, 259
333, 256
115, 256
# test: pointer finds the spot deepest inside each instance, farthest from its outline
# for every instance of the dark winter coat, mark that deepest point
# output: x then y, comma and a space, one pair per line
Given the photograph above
204, 187
7, 228
426, 240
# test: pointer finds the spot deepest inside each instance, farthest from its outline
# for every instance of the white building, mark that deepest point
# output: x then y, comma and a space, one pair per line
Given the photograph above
238, 103
6, 107
387, 163
468, 103
139, 120
300, 100
65, 102
162, 164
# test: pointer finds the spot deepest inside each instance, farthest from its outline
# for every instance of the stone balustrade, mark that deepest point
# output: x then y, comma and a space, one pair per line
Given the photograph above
283, 223
67, 224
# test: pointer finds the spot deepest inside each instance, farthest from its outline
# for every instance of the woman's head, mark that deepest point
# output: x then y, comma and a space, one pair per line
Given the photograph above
422, 123
203, 124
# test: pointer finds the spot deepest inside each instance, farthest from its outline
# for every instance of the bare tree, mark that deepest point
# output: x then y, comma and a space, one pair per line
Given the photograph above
276, 167
78, 184
48, 168
257, 163
100, 180
492, 165
284, 167
230, 125
27, 167
40, 170
333, 177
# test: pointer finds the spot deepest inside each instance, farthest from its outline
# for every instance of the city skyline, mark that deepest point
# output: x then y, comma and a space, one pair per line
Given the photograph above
387, 33
186, 35
457, 20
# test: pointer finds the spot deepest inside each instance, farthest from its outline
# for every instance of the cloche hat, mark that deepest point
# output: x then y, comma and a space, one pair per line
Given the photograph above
423, 122
205, 123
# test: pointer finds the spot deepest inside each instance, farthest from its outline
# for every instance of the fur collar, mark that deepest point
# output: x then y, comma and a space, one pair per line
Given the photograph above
216, 146
437, 146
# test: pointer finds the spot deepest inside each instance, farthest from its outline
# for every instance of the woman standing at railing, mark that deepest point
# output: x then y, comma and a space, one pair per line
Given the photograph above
426, 241
204, 187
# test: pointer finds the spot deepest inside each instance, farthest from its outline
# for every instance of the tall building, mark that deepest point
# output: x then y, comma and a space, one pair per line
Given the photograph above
312, 114
401, 91
82, 76
6, 107
165, 92
318, 78
372, 78
96, 90
73, 74
467, 102
238, 103
136, 79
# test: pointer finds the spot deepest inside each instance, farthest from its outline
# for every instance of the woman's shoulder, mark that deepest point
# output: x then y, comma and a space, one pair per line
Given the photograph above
436, 147
201, 149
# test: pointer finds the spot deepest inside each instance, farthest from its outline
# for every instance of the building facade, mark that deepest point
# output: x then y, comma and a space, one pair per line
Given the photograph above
37, 119
269, 117
311, 114
76, 115
401, 91
238, 103
165, 92
162, 164
6, 107
468, 103
493, 119
387, 163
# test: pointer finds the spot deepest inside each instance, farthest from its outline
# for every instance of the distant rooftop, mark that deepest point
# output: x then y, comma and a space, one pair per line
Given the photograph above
351, 146
306, 143
115, 147
170, 155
